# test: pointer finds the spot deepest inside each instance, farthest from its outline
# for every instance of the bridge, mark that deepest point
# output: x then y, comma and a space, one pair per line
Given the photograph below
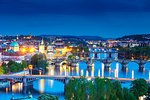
107, 62
25, 79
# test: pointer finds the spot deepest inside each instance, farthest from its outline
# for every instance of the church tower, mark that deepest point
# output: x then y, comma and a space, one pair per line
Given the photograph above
50, 52
17, 37
42, 47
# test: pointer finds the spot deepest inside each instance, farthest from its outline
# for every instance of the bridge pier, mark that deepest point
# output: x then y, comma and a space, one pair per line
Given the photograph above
124, 67
24, 81
109, 54
107, 64
141, 66
95, 56
57, 64
89, 65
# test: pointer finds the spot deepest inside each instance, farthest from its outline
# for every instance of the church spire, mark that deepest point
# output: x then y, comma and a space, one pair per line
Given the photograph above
42, 43
17, 37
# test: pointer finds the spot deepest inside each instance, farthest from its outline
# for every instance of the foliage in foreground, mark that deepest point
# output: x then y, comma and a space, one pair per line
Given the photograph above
13, 66
48, 97
103, 89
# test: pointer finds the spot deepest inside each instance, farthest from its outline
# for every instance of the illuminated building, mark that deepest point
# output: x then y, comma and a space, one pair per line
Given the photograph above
14, 46
59, 49
58, 54
28, 37
12, 55
42, 47
50, 54
59, 43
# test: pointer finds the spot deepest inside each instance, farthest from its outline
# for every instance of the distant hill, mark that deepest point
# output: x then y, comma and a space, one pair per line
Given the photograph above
141, 37
77, 37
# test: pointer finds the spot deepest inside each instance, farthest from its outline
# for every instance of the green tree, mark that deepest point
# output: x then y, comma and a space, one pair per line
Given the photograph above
4, 64
90, 90
42, 64
24, 64
120, 95
10, 63
13, 68
112, 97
130, 96
139, 87
34, 59
48, 97
109, 88
1, 70
37, 58
100, 87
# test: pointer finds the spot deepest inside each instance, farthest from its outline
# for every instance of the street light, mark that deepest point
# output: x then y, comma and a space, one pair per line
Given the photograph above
30, 67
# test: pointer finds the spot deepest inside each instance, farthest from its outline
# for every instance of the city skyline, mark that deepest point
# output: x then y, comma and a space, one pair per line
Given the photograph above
105, 18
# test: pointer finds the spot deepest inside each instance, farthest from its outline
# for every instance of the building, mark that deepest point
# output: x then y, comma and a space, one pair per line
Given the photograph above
42, 47
58, 54
59, 43
14, 46
12, 55
50, 52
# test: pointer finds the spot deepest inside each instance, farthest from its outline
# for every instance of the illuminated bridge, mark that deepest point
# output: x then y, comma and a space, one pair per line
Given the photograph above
106, 62
64, 79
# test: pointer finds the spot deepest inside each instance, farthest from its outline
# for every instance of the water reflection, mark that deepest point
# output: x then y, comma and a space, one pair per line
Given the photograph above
97, 69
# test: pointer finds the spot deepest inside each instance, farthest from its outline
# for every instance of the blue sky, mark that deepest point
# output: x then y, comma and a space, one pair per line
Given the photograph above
105, 18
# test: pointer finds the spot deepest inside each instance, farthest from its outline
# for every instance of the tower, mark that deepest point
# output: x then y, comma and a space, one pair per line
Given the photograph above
50, 53
42, 47
17, 37
30, 35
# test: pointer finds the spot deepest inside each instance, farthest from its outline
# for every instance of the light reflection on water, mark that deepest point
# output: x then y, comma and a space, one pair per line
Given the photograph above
57, 88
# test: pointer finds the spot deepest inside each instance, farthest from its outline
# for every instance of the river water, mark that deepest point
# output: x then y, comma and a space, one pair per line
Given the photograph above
57, 88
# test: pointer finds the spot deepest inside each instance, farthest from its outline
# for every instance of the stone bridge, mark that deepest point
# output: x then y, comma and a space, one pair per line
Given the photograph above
107, 62
25, 79
64, 79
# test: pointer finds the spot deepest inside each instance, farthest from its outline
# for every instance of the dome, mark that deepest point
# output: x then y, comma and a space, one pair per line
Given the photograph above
14, 44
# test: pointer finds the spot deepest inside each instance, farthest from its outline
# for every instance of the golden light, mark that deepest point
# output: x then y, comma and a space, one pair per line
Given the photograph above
32, 50
30, 67
23, 50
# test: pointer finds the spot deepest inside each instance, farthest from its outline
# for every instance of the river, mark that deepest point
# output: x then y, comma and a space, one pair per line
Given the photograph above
57, 88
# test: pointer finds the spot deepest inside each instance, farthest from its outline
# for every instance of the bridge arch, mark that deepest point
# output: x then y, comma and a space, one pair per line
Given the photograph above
68, 63
147, 66
81, 64
133, 65
116, 65
97, 64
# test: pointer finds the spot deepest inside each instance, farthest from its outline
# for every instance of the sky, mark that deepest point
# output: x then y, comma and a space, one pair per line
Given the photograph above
105, 18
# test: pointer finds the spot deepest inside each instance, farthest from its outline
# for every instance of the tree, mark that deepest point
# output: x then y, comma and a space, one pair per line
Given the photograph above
112, 97
109, 88
71, 57
10, 63
139, 87
13, 68
90, 90
1, 70
42, 63
37, 58
100, 87
24, 64
5, 68
48, 97
4, 64
34, 59
120, 95
130, 96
